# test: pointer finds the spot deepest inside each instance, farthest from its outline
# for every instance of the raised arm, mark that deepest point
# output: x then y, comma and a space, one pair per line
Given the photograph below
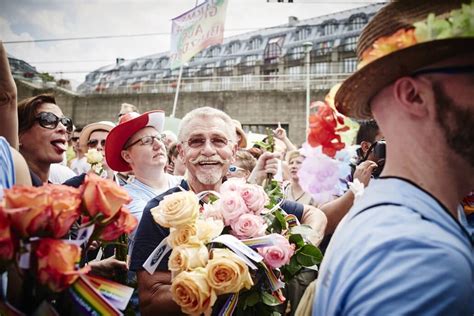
8, 99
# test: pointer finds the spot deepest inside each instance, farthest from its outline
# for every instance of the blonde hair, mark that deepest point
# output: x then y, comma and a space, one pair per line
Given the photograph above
292, 155
247, 161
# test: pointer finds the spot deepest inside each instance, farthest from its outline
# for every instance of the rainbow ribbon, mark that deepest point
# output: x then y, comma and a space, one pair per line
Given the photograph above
259, 242
292, 220
89, 300
229, 306
275, 283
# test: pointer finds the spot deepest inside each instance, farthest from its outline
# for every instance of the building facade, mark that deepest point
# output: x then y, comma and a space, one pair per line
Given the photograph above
267, 59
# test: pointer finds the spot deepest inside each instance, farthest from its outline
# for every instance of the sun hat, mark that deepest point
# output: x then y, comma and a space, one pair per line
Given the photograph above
129, 124
404, 36
89, 129
243, 138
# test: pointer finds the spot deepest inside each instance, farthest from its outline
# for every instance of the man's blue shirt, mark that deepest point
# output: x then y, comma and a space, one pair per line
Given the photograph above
398, 251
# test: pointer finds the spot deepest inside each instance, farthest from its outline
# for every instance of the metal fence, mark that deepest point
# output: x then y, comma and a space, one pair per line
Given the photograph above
228, 83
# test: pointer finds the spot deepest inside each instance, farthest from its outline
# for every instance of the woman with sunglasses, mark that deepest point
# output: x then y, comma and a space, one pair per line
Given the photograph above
242, 166
43, 134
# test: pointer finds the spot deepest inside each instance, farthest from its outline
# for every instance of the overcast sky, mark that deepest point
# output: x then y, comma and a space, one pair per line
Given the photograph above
73, 59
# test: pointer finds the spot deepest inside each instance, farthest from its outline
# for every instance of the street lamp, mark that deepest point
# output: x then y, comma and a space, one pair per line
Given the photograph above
307, 49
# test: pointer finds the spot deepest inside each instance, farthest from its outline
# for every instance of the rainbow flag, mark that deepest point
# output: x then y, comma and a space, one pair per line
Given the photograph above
89, 300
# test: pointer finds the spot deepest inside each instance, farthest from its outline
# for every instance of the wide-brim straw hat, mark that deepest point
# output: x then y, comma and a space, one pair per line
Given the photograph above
129, 124
89, 129
353, 97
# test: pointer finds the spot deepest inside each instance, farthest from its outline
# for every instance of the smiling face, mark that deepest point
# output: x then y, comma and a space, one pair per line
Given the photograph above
143, 157
207, 151
42, 146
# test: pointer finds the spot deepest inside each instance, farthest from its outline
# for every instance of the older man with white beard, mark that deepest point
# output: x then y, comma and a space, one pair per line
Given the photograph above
207, 144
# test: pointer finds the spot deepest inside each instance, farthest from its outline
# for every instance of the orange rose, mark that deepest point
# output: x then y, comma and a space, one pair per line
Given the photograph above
122, 223
103, 196
7, 244
56, 263
32, 209
65, 202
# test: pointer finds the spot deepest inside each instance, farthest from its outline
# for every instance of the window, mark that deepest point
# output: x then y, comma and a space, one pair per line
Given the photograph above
296, 53
350, 43
164, 63
320, 68
148, 65
302, 34
247, 81
329, 28
294, 71
209, 68
234, 47
229, 64
251, 60
226, 83
133, 68
255, 43
273, 49
357, 23
215, 51
323, 48
350, 65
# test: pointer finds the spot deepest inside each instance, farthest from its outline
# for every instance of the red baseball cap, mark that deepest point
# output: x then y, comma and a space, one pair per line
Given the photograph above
129, 124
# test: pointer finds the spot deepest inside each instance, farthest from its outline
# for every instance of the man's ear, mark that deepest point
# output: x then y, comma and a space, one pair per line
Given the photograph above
412, 95
126, 156
180, 148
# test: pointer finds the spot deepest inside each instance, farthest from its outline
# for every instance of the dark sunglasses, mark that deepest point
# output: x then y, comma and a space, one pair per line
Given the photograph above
94, 142
445, 70
49, 120
74, 139
216, 141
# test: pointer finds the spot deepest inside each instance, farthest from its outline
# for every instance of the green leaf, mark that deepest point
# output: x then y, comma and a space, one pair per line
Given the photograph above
297, 240
269, 299
279, 216
309, 255
303, 230
252, 299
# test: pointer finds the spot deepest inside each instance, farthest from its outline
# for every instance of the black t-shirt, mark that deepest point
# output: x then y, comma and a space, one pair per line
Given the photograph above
150, 234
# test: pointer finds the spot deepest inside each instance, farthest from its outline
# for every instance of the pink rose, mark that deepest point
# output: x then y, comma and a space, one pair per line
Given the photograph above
232, 185
255, 197
212, 211
248, 226
279, 254
231, 206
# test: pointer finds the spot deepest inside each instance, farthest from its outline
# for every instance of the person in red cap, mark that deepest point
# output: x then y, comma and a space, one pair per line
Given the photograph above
136, 144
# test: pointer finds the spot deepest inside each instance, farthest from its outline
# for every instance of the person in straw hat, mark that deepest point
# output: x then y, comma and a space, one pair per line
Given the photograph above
402, 248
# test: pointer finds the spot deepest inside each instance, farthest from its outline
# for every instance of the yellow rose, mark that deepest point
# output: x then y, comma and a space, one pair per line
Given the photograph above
227, 273
188, 257
94, 157
191, 291
208, 229
181, 235
177, 209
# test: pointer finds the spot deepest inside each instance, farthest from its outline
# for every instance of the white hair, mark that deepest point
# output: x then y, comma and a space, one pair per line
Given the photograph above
206, 112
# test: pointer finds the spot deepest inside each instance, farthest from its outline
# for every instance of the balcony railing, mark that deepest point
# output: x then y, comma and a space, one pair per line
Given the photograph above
228, 83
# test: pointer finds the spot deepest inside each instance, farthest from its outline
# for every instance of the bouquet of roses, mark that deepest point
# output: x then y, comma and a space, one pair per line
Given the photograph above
35, 232
239, 246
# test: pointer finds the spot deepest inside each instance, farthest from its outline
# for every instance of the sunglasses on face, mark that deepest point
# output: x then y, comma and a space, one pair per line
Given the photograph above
49, 120
233, 169
92, 143
147, 140
74, 139
216, 141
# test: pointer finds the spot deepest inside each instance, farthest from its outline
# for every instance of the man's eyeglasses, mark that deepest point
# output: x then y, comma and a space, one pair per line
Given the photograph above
49, 120
233, 169
445, 70
92, 143
216, 141
147, 140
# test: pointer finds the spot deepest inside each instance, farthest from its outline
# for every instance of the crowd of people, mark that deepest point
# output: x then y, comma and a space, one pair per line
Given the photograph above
405, 247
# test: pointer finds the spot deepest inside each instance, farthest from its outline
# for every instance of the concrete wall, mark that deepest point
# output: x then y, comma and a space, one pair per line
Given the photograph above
249, 107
